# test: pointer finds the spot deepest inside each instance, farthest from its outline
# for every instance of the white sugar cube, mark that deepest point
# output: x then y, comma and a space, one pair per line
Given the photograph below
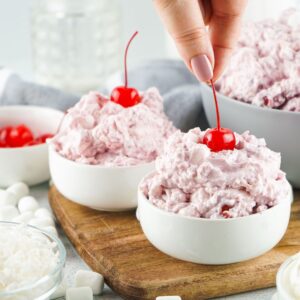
43, 212
168, 298
19, 189
24, 217
7, 198
28, 203
79, 293
8, 212
89, 278
50, 229
60, 291
41, 222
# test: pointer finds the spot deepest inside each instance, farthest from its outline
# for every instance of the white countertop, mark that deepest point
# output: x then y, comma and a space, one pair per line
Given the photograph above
74, 262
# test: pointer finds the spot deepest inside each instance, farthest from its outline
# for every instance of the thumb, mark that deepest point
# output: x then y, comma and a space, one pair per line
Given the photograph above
185, 24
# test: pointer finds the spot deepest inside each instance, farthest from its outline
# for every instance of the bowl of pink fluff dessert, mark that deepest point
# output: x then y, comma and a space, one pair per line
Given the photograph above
215, 207
103, 149
260, 89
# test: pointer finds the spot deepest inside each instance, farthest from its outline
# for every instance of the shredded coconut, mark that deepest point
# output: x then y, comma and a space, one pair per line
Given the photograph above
25, 257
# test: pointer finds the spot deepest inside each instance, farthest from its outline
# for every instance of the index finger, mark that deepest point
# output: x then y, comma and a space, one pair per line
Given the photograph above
225, 24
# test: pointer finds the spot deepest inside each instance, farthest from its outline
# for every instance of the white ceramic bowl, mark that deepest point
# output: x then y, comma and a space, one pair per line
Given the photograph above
96, 186
279, 128
213, 242
27, 164
283, 278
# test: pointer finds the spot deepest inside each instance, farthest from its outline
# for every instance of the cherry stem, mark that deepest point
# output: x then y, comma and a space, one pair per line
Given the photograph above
216, 105
125, 57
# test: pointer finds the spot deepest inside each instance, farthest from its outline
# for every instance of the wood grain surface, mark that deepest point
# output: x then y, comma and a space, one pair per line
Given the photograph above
114, 245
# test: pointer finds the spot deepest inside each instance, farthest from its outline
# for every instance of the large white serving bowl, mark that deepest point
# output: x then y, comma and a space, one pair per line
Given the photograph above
96, 186
213, 242
281, 129
27, 164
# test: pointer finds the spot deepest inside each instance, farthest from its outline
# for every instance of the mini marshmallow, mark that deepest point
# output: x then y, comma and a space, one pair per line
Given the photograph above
7, 198
42, 212
168, 298
60, 291
28, 203
8, 212
24, 217
51, 230
19, 189
79, 293
91, 279
41, 222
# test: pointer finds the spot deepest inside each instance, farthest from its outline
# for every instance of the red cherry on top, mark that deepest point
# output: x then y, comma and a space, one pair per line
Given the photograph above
218, 139
124, 95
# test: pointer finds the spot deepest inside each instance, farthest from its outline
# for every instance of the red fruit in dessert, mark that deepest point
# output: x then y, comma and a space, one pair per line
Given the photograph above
124, 95
19, 136
225, 211
218, 139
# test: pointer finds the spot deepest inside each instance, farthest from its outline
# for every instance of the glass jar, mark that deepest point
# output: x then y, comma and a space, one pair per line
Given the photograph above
76, 44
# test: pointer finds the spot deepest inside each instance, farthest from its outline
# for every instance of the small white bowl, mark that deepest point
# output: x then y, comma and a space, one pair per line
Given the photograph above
279, 128
27, 164
213, 242
282, 281
96, 186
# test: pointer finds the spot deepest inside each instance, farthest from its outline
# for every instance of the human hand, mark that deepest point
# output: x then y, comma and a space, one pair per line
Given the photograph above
205, 52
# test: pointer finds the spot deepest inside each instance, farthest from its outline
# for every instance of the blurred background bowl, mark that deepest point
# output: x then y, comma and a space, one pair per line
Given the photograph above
27, 164
279, 128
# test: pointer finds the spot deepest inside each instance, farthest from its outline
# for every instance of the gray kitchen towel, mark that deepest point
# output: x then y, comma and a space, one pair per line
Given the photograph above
179, 88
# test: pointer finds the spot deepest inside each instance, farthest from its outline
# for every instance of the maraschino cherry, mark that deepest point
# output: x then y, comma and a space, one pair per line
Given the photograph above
124, 95
218, 139
20, 136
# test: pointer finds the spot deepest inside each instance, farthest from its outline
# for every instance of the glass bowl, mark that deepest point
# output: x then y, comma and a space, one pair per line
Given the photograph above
283, 278
46, 285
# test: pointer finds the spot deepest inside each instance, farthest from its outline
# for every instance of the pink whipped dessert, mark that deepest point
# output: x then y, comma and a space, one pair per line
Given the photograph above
193, 181
265, 67
99, 131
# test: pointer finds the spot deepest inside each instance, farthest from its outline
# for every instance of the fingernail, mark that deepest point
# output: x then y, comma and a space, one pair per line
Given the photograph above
202, 67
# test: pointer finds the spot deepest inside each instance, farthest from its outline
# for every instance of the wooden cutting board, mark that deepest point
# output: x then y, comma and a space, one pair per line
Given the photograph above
114, 245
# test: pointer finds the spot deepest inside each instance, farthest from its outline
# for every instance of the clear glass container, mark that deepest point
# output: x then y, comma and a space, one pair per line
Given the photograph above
43, 288
285, 279
75, 43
